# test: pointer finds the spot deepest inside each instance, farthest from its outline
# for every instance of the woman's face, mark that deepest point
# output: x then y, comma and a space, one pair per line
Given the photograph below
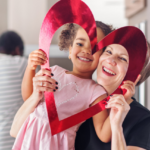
113, 65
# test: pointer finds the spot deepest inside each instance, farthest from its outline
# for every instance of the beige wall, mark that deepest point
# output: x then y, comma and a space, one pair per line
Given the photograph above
25, 17
148, 17
50, 3
141, 16
148, 36
138, 18
3, 15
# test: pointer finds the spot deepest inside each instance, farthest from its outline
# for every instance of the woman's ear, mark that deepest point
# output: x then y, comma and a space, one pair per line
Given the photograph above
70, 48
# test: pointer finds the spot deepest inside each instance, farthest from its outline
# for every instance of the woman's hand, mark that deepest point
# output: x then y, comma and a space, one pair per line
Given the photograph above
37, 57
119, 109
130, 87
43, 82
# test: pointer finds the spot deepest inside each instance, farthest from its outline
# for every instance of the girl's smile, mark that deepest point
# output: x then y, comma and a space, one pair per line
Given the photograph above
80, 53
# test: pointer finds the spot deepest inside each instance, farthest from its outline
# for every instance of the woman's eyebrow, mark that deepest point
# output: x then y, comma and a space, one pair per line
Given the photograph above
123, 54
110, 47
82, 39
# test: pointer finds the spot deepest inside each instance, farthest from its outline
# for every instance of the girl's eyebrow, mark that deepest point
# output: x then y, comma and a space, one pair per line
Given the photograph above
82, 39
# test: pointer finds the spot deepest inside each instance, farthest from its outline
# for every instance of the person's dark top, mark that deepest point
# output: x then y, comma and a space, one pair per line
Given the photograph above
136, 128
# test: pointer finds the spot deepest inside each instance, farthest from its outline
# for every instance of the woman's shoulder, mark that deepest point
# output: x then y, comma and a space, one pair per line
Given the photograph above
137, 114
136, 126
139, 107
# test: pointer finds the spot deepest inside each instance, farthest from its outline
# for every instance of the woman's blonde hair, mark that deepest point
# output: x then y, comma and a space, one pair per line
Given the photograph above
145, 73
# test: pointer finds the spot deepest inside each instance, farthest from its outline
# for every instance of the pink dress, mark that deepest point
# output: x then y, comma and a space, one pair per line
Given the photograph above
74, 94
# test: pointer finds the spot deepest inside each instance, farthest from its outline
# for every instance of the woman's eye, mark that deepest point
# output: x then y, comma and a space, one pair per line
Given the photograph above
108, 51
79, 44
123, 59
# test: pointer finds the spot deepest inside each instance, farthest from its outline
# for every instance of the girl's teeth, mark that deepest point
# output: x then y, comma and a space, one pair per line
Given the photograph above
85, 59
108, 71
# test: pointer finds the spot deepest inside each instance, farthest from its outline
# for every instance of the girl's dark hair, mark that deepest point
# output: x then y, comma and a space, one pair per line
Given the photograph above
9, 41
69, 32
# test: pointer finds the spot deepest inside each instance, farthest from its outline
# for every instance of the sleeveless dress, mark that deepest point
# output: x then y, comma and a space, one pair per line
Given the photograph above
74, 94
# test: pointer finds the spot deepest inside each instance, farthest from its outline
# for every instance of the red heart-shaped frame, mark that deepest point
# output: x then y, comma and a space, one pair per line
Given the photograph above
76, 11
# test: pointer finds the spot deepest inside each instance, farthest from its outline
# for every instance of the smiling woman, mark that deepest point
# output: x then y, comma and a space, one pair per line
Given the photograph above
129, 120
112, 67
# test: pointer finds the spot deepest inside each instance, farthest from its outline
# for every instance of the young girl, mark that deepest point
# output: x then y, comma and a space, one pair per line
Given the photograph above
35, 133
69, 99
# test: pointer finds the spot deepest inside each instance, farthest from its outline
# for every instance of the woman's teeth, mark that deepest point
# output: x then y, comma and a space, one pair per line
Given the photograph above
85, 59
108, 71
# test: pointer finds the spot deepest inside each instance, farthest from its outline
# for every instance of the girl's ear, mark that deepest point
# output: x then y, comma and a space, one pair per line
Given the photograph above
70, 48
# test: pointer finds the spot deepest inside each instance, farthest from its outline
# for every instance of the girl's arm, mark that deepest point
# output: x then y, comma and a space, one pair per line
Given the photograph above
37, 57
101, 123
25, 110
48, 84
27, 85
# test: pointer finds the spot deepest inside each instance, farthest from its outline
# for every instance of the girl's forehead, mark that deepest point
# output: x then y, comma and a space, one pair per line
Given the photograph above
82, 35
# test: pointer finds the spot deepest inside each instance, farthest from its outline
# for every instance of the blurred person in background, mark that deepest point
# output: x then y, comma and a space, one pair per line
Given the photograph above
12, 67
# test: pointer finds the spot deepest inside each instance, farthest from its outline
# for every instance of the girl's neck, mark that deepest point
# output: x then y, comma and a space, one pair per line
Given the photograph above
84, 75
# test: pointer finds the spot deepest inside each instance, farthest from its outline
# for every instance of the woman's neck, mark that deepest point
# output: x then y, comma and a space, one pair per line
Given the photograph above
109, 89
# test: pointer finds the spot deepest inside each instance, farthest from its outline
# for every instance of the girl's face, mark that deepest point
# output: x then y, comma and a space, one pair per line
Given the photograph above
113, 65
81, 54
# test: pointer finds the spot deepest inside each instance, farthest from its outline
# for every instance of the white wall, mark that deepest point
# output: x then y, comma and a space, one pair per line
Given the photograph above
108, 11
26, 16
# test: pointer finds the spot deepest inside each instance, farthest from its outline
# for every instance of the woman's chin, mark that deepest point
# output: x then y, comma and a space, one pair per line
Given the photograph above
104, 82
110, 84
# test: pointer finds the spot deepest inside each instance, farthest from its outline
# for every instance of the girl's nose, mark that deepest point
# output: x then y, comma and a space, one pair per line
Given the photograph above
87, 51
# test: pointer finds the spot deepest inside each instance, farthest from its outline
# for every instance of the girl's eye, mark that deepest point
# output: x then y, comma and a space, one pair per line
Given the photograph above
79, 44
123, 59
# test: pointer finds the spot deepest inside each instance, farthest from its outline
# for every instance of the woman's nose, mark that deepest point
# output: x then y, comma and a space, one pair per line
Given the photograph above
111, 61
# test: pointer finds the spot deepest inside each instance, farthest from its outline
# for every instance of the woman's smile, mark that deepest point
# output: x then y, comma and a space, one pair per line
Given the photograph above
113, 66
108, 71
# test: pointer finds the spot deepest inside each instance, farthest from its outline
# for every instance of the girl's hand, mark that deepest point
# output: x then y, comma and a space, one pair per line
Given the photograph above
130, 87
119, 109
37, 57
43, 82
